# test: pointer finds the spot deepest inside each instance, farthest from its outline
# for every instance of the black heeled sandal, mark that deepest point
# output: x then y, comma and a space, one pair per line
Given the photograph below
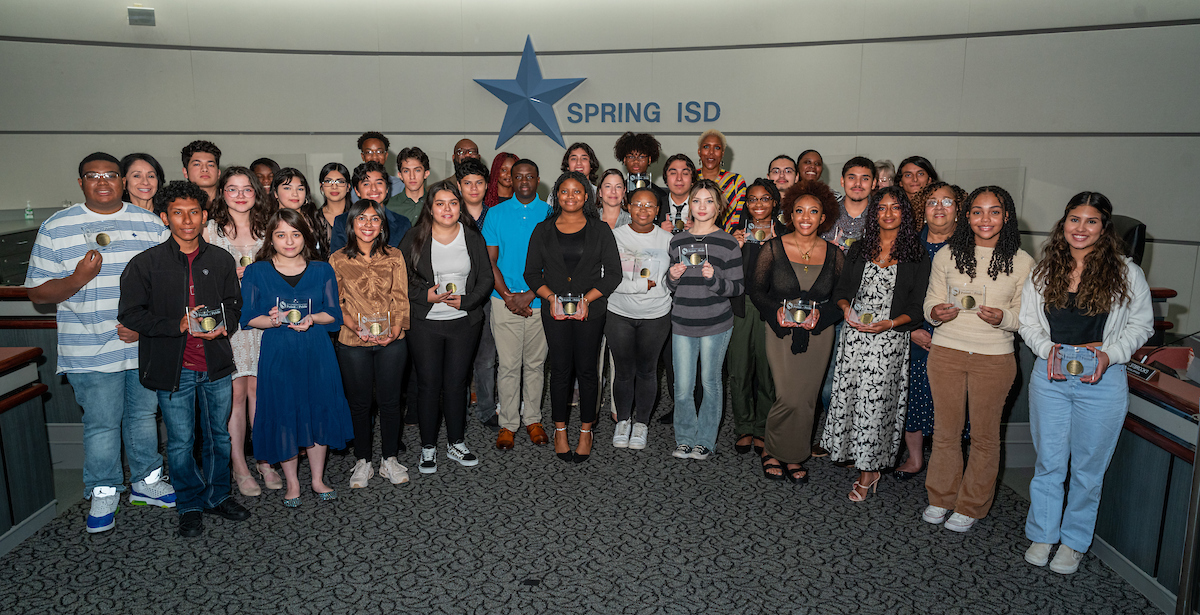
794, 475
579, 457
766, 467
567, 456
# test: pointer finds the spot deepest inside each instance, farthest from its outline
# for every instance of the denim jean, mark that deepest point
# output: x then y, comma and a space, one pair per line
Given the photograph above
692, 427
1077, 424
206, 486
116, 407
485, 369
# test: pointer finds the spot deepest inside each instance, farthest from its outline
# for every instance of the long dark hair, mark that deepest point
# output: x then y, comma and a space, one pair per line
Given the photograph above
218, 210
423, 229
772, 191
907, 247
589, 205
492, 196
308, 209
128, 161
353, 211
1103, 282
293, 219
340, 168
962, 242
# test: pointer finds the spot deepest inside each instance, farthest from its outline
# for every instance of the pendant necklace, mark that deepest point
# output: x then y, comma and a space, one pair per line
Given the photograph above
804, 255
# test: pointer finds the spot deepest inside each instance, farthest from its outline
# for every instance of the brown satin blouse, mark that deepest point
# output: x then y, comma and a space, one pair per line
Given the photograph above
376, 285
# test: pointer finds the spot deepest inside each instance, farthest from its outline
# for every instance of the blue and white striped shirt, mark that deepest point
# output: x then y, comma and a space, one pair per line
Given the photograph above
87, 322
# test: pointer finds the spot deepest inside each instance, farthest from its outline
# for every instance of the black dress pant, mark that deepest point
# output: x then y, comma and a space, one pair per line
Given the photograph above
443, 354
573, 351
368, 370
635, 345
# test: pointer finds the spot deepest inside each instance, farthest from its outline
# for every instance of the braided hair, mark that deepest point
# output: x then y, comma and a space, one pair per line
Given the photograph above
962, 242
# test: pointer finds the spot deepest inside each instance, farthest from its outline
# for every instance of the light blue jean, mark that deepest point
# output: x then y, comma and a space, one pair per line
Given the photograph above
116, 407
197, 488
698, 428
1076, 423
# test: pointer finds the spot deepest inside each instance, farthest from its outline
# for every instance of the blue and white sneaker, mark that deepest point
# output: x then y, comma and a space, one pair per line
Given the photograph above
153, 491
105, 503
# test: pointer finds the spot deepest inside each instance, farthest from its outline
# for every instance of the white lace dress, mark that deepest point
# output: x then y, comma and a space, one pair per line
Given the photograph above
245, 342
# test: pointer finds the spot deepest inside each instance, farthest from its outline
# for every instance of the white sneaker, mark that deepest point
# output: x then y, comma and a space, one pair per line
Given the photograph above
700, 452
460, 453
934, 514
637, 441
152, 491
1066, 560
682, 451
361, 474
959, 523
621, 435
1038, 553
102, 516
392, 470
428, 460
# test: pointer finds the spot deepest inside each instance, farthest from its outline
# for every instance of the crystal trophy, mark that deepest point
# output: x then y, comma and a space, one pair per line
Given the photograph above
966, 298
643, 267
1061, 364
100, 235
758, 232
245, 255
205, 319
568, 304
678, 221
292, 311
375, 323
693, 254
455, 284
637, 181
865, 313
798, 310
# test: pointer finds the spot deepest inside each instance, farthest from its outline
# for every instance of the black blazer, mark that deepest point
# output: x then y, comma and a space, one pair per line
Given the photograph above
750, 251
912, 281
775, 282
420, 280
599, 268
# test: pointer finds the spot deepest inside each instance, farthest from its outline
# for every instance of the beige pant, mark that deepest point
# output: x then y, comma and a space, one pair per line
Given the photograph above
520, 344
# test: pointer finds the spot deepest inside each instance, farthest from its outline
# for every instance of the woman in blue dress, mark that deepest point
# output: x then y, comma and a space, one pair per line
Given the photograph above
939, 203
301, 403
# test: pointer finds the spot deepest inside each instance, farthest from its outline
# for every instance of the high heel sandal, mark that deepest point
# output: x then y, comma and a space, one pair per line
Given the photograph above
867, 490
579, 457
567, 456
270, 477
766, 467
246, 484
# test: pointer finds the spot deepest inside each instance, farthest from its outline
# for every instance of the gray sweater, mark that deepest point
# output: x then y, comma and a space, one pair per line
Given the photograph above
702, 304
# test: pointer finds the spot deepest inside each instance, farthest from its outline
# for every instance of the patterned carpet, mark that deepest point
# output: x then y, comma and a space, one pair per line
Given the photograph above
626, 532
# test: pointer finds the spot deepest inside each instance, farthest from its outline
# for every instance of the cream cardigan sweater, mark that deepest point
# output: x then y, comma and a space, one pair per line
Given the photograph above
967, 331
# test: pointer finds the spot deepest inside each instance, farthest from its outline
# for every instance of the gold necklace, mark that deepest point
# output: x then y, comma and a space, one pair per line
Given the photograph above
804, 255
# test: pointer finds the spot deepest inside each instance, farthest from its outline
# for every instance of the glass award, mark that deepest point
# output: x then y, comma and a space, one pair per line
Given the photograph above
1062, 365
455, 284
693, 254
375, 323
568, 304
206, 319
99, 236
637, 181
798, 310
245, 255
758, 232
292, 311
966, 298
643, 267
678, 221
866, 313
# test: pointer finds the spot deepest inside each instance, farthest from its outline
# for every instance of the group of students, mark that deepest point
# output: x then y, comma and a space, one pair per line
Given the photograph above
872, 303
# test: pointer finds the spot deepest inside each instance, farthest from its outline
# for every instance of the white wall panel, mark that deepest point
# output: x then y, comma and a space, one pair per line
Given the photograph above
296, 24
914, 86
992, 16
95, 20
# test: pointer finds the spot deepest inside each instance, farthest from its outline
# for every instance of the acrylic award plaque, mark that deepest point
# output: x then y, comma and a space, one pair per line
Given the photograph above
206, 319
865, 313
798, 310
966, 298
292, 311
453, 284
568, 304
758, 232
637, 181
643, 268
693, 254
678, 222
1062, 365
99, 236
245, 255
375, 323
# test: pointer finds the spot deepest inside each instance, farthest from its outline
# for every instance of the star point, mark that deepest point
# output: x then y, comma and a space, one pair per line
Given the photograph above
530, 98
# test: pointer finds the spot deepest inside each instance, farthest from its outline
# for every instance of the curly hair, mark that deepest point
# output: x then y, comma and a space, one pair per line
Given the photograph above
206, 147
589, 206
818, 190
918, 205
640, 142
593, 164
962, 242
772, 191
492, 197
1103, 282
373, 135
907, 247
179, 190
259, 213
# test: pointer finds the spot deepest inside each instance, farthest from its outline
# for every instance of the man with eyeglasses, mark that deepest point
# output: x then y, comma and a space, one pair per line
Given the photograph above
77, 262
202, 166
373, 147
637, 152
465, 148
782, 171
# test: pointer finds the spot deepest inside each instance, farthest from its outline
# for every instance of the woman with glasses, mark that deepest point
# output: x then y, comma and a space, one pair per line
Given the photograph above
335, 186
237, 224
751, 388
143, 177
941, 201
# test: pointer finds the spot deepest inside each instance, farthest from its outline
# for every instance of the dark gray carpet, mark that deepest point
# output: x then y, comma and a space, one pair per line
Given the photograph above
626, 532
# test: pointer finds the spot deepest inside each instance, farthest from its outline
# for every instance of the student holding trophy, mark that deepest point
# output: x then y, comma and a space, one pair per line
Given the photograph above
182, 299
294, 299
1085, 309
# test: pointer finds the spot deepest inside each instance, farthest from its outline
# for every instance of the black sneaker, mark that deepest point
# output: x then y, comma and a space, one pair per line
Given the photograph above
191, 524
460, 453
229, 509
428, 463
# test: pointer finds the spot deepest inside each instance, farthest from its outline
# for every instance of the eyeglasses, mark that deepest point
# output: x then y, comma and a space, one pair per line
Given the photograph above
233, 190
463, 152
374, 151
643, 205
334, 182
783, 171
95, 176
370, 220
766, 200
637, 157
945, 203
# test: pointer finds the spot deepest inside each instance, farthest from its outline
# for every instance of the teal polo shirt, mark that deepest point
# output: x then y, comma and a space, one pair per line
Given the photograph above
509, 226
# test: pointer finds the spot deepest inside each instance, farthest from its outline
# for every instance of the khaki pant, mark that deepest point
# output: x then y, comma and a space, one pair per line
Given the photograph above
986, 379
520, 345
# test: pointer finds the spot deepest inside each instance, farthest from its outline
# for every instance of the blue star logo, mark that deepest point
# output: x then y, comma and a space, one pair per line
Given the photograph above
530, 98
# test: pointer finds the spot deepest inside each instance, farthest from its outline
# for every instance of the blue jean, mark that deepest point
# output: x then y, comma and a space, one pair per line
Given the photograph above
202, 487
116, 406
1077, 424
485, 369
698, 428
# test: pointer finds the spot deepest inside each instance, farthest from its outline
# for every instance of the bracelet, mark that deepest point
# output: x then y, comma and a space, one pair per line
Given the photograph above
891, 324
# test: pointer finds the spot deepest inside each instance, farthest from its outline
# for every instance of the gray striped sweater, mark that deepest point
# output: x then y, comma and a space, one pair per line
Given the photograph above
701, 306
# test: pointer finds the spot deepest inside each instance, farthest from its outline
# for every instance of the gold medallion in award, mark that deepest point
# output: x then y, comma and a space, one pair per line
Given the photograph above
968, 302
866, 318
208, 324
760, 235
375, 323
678, 224
293, 316
103, 239
293, 311
376, 328
205, 319
798, 310
569, 304
644, 272
245, 261
1074, 367
451, 287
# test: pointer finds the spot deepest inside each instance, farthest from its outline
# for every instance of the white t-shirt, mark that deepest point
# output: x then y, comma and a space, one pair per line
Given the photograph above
87, 321
639, 251
450, 263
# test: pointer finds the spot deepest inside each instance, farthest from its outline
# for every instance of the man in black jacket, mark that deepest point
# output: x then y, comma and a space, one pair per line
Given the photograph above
180, 296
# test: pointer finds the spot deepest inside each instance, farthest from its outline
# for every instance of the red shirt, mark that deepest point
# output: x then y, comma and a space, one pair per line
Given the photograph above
193, 348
